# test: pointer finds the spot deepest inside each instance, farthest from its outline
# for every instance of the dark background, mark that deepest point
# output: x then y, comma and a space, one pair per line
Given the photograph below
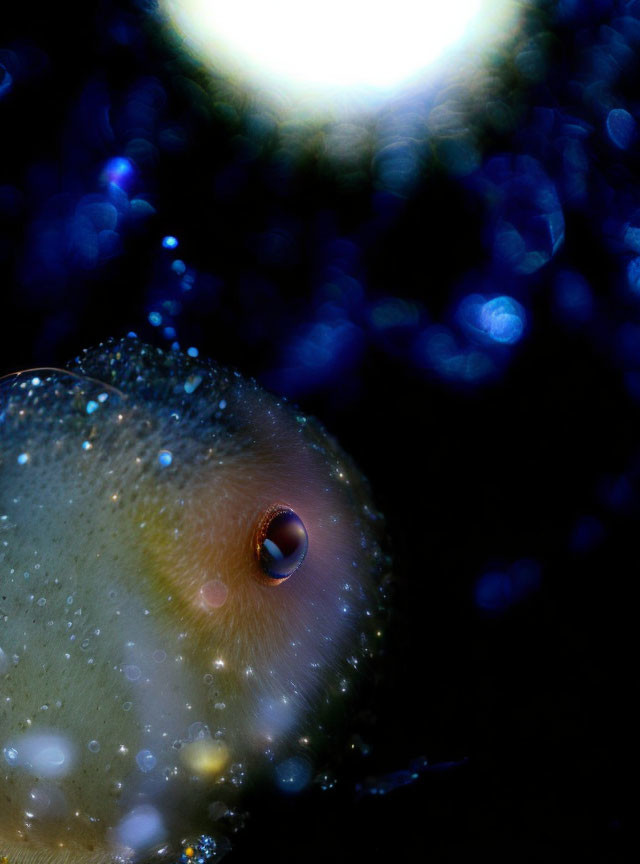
325, 277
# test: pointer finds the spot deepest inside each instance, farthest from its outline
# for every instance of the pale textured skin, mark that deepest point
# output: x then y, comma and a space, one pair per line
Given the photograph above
119, 549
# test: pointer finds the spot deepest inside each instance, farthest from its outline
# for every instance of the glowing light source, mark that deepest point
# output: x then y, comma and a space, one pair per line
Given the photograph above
337, 43
205, 757
503, 320
500, 320
118, 171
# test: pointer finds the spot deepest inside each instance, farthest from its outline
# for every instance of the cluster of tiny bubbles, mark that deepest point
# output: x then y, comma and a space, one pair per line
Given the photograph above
497, 591
204, 849
174, 286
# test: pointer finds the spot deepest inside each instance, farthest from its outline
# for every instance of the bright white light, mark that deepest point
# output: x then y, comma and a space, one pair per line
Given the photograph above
330, 43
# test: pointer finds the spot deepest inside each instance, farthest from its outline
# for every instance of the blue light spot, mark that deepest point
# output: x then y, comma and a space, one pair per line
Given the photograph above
92, 406
102, 397
503, 320
222, 404
179, 267
170, 242
293, 774
273, 549
165, 458
155, 318
118, 171
23, 458
146, 761
621, 127
87, 445
192, 352
169, 332
132, 335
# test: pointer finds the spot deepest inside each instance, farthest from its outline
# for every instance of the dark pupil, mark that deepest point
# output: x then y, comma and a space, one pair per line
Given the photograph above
284, 545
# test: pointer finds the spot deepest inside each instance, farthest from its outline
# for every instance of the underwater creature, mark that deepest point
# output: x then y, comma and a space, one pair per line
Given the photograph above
190, 571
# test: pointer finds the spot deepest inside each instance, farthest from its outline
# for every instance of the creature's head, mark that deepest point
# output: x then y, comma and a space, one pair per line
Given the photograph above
218, 557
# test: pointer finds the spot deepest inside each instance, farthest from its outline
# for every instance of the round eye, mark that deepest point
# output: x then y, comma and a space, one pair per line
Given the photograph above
281, 544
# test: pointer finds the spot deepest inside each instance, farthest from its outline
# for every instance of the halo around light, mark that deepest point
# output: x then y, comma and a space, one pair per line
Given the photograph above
348, 44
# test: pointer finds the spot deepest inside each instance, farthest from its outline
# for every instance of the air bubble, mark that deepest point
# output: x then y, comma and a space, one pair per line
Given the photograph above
165, 458
146, 761
199, 732
11, 755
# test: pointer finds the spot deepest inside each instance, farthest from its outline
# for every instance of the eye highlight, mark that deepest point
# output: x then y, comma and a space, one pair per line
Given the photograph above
281, 544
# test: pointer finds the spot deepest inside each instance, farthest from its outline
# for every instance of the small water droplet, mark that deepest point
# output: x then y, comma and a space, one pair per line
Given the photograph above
146, 761
11, 755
